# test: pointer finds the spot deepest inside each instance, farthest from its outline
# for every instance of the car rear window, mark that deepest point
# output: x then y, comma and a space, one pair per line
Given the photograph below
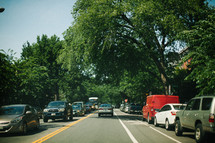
206, 103
179, 107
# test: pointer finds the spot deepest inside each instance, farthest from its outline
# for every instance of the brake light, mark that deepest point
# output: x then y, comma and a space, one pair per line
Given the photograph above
173, 113
110, 109
100, 108
211, 118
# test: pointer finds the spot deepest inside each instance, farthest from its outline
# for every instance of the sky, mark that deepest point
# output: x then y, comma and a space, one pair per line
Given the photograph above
24, 20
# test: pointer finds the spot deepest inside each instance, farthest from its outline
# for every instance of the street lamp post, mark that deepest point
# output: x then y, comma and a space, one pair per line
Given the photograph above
2, 9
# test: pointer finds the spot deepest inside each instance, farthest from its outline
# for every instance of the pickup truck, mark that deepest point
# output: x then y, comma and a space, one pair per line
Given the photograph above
58, 110
197, 116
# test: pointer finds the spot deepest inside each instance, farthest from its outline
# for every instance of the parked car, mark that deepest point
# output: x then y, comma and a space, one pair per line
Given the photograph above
126, 108
166, 115
105, 109
58, 110
154, 103
134, 108
18, 118
122, 106
78, 110
197, 116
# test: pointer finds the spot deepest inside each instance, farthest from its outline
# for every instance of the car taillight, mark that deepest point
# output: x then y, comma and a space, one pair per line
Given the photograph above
173, 113
110, 109
211, 118
100, 108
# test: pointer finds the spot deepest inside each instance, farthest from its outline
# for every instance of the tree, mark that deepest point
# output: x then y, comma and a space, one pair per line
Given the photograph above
201, 41
41, 58
118, 35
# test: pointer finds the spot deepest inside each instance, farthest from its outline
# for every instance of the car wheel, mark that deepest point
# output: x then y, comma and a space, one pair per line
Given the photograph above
38, 124
199, 133
71, 117
65, 118
45, 119
24, 128
167, 126
178, 128
155, 122
99, 115
148, 120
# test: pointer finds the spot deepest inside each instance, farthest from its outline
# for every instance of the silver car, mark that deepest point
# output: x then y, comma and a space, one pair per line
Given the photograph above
197, 116
18, 118
105, 109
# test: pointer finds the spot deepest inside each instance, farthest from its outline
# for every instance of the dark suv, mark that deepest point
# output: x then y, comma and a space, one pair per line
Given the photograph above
58, 110
197, 116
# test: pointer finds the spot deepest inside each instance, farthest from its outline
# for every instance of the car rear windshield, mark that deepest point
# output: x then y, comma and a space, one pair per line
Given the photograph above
15, 110
206, 103
56, 104
179, 107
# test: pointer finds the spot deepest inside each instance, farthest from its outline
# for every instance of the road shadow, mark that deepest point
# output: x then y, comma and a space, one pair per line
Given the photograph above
43, 127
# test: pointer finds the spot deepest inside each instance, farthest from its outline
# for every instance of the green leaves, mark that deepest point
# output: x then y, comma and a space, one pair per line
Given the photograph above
201, 40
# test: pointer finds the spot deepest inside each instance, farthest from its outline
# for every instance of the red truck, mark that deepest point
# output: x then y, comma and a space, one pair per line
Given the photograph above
154, 103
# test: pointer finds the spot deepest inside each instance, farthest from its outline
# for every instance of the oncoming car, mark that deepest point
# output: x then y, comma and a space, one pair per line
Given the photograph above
18, 118
105, 109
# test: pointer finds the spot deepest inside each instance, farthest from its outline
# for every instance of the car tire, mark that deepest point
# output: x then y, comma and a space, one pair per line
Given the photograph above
155, 122
65, 118
99, 115
199, 133
45, 119
148, 120
71, 117
38, 125
24, 128
167, 125
178, 128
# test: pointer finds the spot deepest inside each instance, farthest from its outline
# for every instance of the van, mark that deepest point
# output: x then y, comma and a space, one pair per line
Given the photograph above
154, 104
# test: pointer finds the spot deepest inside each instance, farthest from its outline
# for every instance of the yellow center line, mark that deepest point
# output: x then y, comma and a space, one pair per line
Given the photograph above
60, 130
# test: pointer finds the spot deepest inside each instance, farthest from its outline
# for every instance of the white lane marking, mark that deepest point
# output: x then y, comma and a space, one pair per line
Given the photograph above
127, 130
164, 134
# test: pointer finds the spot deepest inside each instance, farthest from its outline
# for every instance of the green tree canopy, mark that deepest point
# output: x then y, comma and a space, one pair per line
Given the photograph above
118, 35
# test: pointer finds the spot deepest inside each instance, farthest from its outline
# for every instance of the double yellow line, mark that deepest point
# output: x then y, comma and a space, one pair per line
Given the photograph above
60, 130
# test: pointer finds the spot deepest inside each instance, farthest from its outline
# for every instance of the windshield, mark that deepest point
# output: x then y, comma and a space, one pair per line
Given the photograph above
76, 107
56, 104
15, 110
105, 105
179, 107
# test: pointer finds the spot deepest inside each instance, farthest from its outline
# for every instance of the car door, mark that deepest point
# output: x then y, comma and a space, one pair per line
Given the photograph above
160, 115
190, 113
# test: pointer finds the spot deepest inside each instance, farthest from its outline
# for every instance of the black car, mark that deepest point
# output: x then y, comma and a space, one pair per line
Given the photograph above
58, 110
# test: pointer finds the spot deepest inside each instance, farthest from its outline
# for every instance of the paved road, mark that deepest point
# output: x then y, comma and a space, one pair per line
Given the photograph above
123, 128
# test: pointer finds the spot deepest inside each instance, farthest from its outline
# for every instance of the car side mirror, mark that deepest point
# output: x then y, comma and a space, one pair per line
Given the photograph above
28, 112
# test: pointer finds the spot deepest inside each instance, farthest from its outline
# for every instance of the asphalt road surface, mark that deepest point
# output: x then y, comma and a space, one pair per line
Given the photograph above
121, 128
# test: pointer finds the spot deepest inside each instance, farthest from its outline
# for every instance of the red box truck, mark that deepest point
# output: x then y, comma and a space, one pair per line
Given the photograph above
154, 103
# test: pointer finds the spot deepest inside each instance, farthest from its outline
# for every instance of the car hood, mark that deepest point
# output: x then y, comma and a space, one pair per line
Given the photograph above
7, 118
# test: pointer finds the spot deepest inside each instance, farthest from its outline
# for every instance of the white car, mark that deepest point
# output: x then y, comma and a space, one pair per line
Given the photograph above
105, 109
166, 115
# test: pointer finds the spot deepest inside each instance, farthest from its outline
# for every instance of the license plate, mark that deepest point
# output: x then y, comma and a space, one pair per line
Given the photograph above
53, 114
